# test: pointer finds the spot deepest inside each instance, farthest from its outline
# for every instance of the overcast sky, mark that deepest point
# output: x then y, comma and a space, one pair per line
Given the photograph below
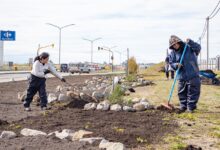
143, 26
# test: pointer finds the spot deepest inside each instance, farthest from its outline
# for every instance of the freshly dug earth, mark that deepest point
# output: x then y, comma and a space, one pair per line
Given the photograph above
131, 129
11, 109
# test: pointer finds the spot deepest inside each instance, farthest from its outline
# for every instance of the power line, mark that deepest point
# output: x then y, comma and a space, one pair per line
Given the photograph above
215, 13
204, 30
214, 9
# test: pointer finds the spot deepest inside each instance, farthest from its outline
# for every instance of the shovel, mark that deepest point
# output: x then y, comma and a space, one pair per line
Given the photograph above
167, 104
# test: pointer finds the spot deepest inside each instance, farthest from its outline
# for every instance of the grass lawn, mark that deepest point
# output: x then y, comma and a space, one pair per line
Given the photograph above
201, 128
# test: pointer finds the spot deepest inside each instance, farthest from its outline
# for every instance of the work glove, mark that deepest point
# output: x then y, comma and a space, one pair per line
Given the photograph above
46, 71
179, 65
63, 80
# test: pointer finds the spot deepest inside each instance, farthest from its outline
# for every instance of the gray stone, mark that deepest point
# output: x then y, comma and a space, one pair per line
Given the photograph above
62, 97
135, 100
80, 134
134, 84
7, 135
128, 109
98, 95
143, 100
91, 140
66, 133
104, 105
139, 107
30, 132
116, 107
59, 88
90, 106
22, 96
104, 144
84, 88
146, 104
52, 97
86, 81
71, 94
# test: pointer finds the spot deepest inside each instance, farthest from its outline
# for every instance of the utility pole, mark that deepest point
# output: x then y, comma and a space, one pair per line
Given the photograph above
127, 61
207, 19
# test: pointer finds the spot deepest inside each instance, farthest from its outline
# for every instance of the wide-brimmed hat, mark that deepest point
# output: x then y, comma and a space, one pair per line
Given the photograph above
173, 40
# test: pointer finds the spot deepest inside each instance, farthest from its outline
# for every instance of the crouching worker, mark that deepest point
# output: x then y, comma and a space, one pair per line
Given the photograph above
37, 82
189, 81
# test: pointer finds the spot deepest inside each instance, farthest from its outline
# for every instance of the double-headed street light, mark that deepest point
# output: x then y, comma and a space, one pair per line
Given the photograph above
92, 41
60, 32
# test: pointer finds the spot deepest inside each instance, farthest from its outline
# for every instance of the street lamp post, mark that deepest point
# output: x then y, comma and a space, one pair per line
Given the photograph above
60, 35
110, 51
92, 41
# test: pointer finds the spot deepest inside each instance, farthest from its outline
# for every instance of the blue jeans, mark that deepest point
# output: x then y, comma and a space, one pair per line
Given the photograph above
189, 92
36, 84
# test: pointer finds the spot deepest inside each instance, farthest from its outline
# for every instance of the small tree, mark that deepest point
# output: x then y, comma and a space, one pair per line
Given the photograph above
132, 66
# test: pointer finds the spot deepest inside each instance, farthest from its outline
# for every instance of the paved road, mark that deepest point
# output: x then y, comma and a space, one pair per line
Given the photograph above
7, 77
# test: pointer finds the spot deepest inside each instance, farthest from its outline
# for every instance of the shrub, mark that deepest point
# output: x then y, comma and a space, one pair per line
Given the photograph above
116, 97
132, 66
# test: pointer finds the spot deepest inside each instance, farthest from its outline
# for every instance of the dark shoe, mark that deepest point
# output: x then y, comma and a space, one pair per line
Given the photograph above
181, 110
45, 108
27, 109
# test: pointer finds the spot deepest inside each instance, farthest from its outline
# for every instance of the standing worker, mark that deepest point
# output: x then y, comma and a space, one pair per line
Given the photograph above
168, 68
189, 81
37, 83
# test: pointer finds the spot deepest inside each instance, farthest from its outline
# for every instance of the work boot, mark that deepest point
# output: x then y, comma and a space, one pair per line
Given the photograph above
45, 108
27, 109
181, 110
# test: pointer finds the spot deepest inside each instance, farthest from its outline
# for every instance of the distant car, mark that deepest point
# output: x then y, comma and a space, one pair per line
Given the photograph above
74, 69
64, 68
84, 69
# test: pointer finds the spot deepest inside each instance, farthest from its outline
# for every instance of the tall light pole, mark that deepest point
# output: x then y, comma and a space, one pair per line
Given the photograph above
92, 41
60, 32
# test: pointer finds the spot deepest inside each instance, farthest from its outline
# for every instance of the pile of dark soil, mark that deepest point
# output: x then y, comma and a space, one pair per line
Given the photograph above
164, 109
2, 122
131, 129
193, 147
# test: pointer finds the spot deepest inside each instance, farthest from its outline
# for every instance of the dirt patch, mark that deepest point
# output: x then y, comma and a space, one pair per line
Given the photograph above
11, 109
132, 129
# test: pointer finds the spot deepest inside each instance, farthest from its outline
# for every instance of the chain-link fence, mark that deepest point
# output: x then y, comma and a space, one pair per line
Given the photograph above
213, 64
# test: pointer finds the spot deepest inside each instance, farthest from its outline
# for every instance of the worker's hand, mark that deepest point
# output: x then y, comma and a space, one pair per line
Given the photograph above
187, 40
63, 80
46, 71
179, 65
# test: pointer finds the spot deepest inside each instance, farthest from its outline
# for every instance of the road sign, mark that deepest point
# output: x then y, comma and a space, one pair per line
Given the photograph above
7, 35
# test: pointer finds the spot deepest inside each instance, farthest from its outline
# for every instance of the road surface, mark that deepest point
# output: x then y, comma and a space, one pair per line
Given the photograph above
13, 76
